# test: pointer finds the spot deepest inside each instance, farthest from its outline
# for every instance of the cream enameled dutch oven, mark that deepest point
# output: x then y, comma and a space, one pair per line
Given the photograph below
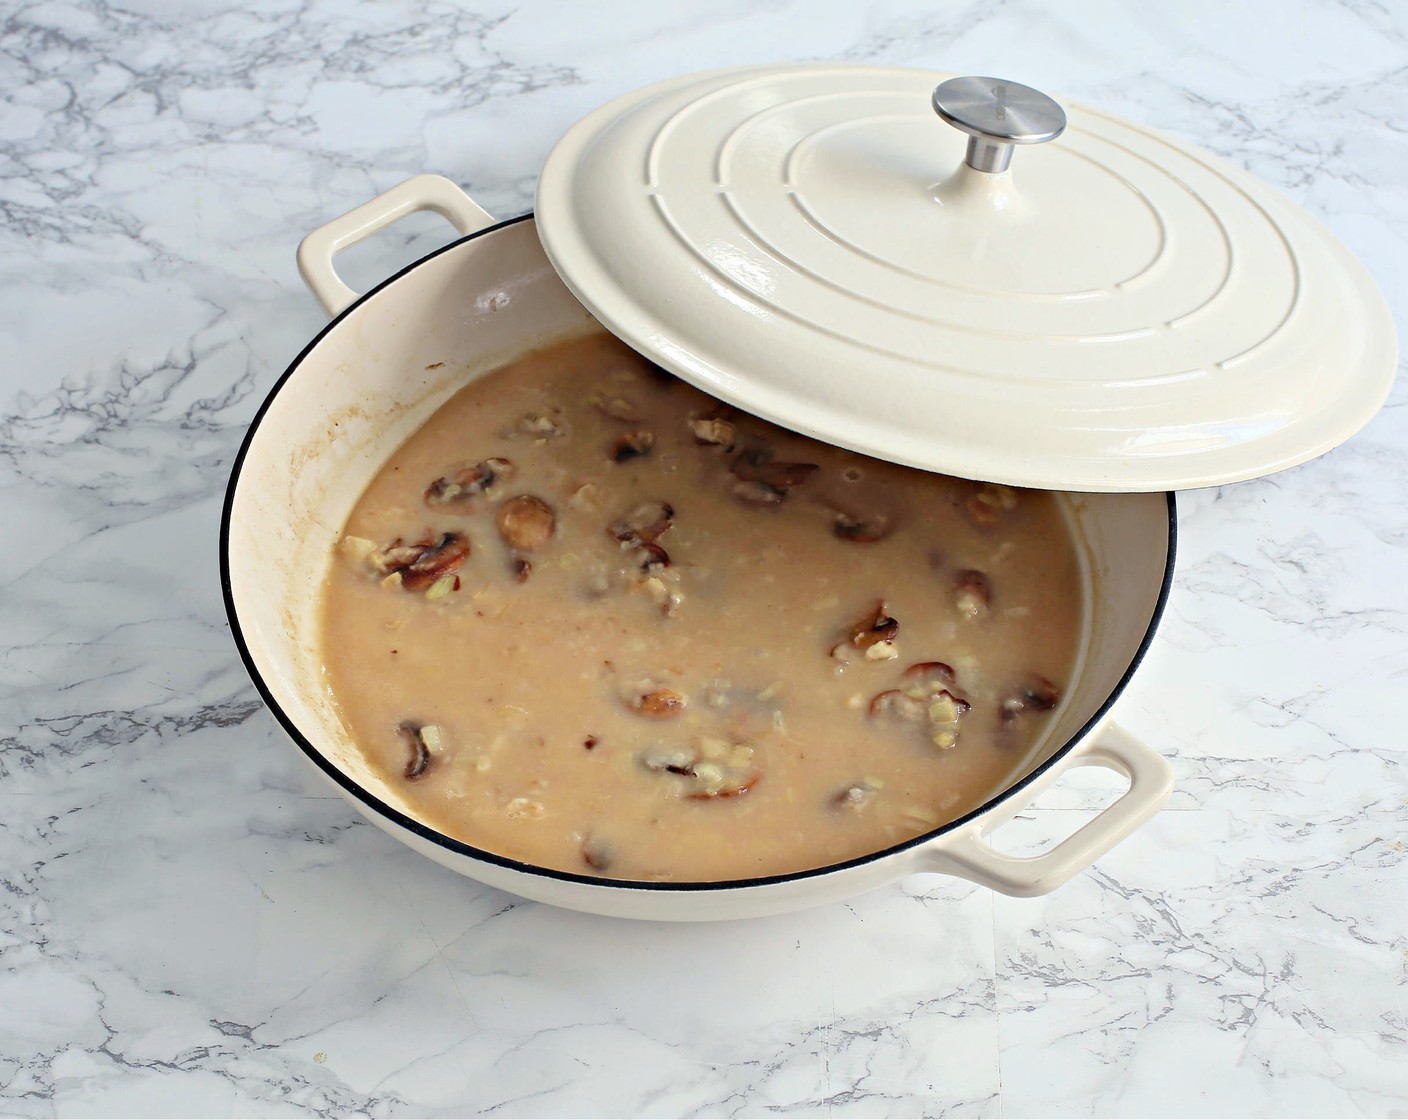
1120, 316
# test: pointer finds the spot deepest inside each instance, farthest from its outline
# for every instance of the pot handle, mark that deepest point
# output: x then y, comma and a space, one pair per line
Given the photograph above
423, 192
965, 853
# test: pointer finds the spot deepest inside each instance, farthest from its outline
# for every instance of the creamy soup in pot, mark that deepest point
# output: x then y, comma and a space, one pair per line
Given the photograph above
589, 618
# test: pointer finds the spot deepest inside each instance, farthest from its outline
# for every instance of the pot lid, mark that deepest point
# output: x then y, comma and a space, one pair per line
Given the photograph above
1114, 311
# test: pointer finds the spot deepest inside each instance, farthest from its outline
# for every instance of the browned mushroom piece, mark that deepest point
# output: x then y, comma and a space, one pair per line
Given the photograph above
725, 768
877, 626
753, 493
756, 464
763, 480
423, 742
640, 529
652, 557
597, 854
713, 430
397, 556
647, 523
525, 522
630, 445
930, 683
421, 564
862, 530
925, 699
928, 675
1035, 694
659, 703
894, 703
467, 482
972, 593
873, 637
987, 505
714, 769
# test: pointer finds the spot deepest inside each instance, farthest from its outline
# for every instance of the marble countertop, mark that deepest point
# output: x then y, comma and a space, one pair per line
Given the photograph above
190, 924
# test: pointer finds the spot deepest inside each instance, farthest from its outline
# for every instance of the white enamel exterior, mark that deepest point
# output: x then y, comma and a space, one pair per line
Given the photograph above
1118, 311
387, 363
433, 193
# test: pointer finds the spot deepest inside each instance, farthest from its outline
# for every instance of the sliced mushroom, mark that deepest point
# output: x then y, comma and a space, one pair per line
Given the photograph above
753, 493
398, 556
862, 530
989, 503
525, 522
877, 626
712, 780
715, 769
897, 704
647, 523
424, 743
467, 482
972, 594
652, 557
1035, 694
597, 854
927, 676
630, 445
763, 480
422, 564
873, 637
756, 464
926, 699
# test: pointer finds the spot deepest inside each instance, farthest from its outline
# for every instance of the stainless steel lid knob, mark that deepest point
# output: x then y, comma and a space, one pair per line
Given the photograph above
996, 114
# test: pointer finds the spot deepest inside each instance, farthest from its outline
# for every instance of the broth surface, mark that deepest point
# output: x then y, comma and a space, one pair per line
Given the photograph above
589, 618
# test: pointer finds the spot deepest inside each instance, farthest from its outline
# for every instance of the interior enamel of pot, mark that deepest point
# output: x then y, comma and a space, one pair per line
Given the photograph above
379, 371
358, 392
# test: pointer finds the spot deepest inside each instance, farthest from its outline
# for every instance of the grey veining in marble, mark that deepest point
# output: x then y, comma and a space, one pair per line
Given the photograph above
191, 925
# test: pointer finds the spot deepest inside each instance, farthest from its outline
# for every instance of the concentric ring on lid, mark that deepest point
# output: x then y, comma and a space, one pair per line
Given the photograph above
1117, 311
